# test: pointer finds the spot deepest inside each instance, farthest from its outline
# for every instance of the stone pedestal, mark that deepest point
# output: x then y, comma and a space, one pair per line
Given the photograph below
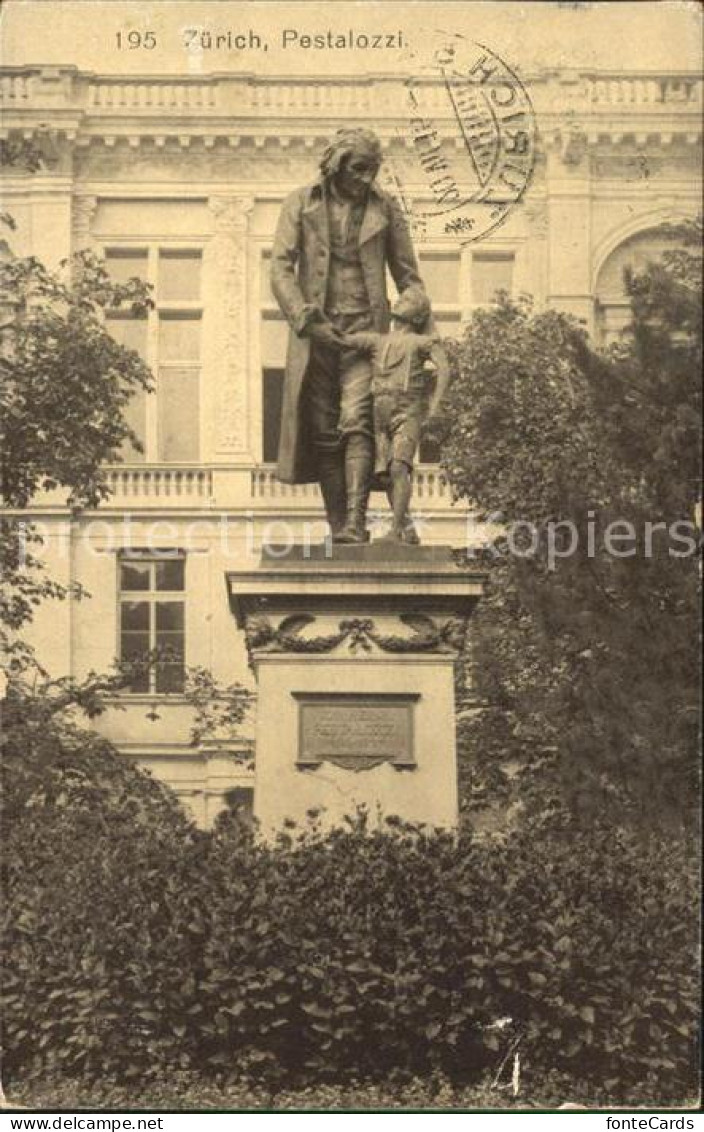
354, 656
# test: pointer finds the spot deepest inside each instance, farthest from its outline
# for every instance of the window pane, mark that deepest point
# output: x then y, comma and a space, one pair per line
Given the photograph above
126, 263
169, 678
178, 414
441, 275
265, 292
179, 337
134, 649
179, 276
169, 574
169, 615
135, 615
135, 414
169, 647
490, 273
169, 668
429, 452
134, 576
272, 396
132, 333
274, 338
135, 646
128, 331
635, 253
448, 325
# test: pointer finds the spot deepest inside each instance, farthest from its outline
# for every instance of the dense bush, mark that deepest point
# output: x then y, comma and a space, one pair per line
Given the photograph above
192, 1091
137, 947
564, 447
88, 843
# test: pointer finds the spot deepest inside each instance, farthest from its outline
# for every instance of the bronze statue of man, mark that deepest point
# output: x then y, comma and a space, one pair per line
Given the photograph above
333, 244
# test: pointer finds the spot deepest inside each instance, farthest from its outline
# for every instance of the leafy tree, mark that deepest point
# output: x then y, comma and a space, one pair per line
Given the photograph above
65, 383
586, 647
65, 380
93, 820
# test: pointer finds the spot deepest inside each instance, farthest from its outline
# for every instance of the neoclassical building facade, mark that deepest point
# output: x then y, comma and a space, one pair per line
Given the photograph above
179, 180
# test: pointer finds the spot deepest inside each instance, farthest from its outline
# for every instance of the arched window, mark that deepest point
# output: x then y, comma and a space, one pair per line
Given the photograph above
613, 313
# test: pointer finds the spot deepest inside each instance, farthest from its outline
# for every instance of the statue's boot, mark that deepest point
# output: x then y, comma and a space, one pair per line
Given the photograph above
405, 533
359, 462
410, 534
391, 538
331, 473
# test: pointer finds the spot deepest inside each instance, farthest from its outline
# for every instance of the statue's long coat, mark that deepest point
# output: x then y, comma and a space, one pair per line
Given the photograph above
299, 277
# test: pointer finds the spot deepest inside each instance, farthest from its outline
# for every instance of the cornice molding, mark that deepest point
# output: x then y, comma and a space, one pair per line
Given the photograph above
288, 109
572, 145
578, 113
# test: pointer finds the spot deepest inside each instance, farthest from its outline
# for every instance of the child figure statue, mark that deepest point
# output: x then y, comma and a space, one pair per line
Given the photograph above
410, 375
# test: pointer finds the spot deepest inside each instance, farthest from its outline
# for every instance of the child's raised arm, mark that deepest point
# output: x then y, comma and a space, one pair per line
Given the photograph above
442, 377
364, 340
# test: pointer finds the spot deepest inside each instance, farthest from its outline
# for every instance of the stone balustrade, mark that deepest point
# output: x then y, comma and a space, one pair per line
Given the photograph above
162, 485
16, 87
112, 95
650, 92
170, 486
429, 487
265, 486
260, 98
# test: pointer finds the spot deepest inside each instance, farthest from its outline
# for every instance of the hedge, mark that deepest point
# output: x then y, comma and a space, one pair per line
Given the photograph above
193, 1091
137, 946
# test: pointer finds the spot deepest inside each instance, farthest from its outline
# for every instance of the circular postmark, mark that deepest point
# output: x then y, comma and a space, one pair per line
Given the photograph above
473, 133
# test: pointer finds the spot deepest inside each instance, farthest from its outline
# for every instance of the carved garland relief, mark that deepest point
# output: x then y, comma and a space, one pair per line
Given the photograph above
427, 636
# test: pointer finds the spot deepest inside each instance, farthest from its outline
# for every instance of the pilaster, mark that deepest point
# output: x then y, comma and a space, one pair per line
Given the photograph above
84, 209
568, 185
227, 301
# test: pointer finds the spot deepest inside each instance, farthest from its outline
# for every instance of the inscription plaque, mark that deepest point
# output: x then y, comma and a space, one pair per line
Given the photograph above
355, 731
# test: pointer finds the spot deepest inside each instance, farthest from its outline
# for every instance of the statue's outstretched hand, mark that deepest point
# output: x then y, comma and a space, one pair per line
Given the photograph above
325, 333
358, 341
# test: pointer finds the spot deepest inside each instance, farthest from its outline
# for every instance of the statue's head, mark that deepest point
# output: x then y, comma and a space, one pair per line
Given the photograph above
412, 307
352, 160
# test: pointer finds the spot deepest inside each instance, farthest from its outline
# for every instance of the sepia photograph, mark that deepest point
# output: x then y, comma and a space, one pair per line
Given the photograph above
350, 607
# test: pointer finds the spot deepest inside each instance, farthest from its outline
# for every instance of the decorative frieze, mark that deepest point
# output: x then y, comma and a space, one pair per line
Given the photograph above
292, 635
573, 146
630, 165
536, 214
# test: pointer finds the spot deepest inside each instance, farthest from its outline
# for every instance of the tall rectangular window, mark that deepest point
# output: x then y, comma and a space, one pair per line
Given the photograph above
169, 339
491, 272
440, 272
273, 341
272, 396
441, 275
124, 264
152, 621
